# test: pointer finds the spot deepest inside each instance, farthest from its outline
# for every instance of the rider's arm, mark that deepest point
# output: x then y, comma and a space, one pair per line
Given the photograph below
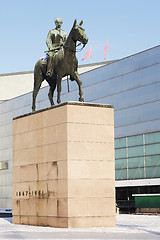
48, 41
64, 37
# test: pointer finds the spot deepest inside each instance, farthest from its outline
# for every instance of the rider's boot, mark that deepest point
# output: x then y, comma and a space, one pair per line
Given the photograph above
49, 67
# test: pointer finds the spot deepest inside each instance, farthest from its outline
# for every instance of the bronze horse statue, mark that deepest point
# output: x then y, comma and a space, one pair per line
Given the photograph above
65, 63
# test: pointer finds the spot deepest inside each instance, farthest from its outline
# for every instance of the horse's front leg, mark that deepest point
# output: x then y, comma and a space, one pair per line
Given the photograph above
79, 82
59, 89
51, 92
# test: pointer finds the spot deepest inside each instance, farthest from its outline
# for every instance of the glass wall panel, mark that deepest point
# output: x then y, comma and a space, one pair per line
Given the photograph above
120, 142
135, 140
152, 160
135, 151
152, 138
121, 174
120, 153
135, 162
153, 172
125, 99
135, 154
136, 173
121, 164
152, 149
132, 115
133, 129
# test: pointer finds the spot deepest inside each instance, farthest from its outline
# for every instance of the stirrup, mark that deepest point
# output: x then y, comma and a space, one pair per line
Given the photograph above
48, 74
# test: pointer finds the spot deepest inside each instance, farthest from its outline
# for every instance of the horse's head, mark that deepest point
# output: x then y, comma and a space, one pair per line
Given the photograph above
79, 34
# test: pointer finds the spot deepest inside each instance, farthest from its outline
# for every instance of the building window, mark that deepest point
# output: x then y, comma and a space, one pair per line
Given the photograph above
3, 165
138, 156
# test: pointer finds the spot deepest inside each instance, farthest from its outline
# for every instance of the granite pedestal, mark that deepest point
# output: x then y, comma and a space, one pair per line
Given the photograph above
63, 166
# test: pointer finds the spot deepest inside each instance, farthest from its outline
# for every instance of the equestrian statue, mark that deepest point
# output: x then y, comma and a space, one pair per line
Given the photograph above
60, 60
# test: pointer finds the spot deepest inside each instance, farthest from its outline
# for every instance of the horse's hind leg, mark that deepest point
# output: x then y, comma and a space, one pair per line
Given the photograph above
37, 84
59, 90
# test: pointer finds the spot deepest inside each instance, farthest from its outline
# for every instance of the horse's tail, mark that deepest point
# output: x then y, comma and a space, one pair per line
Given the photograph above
38, 79
40, 70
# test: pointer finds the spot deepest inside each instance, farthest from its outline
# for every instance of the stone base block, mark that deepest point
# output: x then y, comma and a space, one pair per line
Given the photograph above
63, 167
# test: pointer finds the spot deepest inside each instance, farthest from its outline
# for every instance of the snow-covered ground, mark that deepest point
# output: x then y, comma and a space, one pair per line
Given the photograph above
128, 227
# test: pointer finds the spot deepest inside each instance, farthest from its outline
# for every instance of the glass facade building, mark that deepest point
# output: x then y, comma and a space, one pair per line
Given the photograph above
138, 157
132, 86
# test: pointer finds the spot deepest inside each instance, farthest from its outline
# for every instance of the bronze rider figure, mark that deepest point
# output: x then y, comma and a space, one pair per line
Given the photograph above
55, 40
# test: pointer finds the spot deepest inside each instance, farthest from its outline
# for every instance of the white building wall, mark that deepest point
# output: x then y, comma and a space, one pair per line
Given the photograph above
17, 84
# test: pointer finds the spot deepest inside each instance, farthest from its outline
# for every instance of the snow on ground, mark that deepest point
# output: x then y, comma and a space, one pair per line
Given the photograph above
125, 222
136, 224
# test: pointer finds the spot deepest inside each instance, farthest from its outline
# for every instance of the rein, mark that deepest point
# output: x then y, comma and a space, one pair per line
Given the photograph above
73, 51
79, 50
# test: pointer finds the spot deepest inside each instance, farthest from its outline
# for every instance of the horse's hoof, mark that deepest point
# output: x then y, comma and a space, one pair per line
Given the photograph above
33, 109
81, 99
58, 102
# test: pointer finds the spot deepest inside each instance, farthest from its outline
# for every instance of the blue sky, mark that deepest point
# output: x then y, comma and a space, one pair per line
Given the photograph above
130, 26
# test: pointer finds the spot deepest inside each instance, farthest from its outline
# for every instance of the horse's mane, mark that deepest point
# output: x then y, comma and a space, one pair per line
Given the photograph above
69, 37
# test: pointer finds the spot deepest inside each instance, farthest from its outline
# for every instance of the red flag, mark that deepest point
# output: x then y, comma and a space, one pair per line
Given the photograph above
106, 50
88, 54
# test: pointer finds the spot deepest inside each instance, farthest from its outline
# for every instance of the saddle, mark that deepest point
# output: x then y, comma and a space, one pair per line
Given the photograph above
45, 58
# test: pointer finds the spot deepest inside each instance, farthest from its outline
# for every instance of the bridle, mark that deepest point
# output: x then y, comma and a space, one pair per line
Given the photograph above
77, 50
